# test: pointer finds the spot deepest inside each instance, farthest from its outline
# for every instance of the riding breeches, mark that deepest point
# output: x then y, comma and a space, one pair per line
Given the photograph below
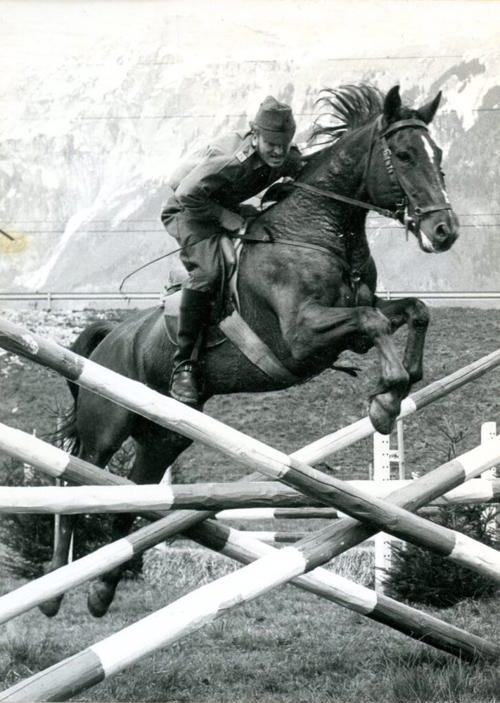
201, 255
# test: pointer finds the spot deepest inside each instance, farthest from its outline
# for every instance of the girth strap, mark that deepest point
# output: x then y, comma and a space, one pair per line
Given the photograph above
244, 338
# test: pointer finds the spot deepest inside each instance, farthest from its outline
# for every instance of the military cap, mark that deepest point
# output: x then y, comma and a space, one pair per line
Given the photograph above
275, 119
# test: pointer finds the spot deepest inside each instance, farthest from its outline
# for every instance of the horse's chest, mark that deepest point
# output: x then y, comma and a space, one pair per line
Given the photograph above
354, 294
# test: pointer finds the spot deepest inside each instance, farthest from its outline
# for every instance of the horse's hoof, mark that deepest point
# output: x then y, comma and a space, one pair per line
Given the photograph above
50, 608
382, 417
99, 599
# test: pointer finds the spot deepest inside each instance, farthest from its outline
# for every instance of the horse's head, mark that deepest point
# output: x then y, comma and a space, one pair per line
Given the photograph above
403, 173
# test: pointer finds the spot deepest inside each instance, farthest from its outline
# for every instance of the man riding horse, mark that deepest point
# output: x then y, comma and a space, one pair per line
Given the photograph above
208, 190
297, 292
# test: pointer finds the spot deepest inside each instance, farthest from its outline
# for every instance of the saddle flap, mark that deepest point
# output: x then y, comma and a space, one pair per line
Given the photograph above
232, 326
228, 296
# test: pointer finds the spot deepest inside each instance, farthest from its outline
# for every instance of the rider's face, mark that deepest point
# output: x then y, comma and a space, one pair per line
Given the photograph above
272, 150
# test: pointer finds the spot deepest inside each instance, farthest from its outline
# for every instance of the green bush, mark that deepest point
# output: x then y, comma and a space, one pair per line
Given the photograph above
25, 539
419, 576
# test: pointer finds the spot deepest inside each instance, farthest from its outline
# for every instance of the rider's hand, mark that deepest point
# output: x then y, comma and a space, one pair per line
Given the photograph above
277, 192
231, 220
249, 212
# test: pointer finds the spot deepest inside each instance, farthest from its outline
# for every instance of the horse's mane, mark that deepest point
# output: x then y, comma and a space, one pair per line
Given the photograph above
344, 108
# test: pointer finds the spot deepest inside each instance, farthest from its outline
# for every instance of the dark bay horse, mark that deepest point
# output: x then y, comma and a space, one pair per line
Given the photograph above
309, 293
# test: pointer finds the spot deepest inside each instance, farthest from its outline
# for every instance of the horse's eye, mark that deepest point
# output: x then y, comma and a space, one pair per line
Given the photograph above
403, 156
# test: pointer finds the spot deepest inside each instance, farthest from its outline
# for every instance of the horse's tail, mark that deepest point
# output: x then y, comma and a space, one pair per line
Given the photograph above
66, 434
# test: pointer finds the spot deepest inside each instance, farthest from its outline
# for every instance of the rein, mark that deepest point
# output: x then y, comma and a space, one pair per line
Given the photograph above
345, 199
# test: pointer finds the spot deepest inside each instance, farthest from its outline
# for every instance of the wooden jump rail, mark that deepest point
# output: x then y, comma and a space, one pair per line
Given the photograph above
103, 659
200, 607
57, 463
233, 501
169, 413
20, 341
81, 671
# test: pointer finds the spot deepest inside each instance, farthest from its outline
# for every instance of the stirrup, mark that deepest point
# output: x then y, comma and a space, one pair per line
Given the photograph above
184, 385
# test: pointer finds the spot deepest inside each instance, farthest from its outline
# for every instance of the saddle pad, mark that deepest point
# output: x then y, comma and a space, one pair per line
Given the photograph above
232, 327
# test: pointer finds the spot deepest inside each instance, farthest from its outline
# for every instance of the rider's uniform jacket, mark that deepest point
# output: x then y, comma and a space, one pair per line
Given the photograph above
219, 178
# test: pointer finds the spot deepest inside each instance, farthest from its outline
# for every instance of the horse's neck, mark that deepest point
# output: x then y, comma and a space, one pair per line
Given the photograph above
342, 168
319, 219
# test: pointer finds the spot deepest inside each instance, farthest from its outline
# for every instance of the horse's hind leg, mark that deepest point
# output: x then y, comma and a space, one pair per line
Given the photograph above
102, 429
99, 457
62, 542
157, 450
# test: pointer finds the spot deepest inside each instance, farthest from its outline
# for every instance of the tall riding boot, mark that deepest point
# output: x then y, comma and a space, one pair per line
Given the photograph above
193, 319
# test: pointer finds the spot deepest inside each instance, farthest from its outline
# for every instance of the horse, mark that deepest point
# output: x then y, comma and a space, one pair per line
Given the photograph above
306, 287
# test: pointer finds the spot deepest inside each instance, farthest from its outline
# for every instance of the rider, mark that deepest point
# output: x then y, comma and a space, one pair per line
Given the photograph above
208, 189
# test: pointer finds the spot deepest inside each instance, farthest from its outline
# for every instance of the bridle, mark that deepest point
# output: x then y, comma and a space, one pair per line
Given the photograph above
406, 210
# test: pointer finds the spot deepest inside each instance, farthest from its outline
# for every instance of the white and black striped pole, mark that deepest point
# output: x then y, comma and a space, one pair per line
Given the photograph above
411, 622
169, 413
186, 615
20, 341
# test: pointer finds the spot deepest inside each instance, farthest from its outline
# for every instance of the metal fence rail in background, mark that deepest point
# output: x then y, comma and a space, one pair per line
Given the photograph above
49, 298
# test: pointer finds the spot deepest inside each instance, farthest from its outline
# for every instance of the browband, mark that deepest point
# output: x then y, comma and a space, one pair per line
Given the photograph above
402, 124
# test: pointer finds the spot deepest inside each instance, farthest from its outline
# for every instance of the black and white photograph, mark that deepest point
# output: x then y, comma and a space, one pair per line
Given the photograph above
250, 351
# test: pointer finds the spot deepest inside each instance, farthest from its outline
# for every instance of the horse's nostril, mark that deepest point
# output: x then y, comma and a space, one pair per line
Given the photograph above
442, 231
444, 236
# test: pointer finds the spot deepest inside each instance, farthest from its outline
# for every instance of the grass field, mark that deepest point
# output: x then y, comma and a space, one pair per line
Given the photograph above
286, 646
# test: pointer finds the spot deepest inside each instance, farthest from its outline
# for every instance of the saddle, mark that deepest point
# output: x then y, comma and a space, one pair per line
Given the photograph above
226, 322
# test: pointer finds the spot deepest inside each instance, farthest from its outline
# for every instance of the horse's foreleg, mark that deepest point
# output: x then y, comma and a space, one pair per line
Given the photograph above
415, 315
320, 328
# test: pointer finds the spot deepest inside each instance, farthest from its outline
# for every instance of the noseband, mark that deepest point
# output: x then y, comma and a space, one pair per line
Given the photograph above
406, 211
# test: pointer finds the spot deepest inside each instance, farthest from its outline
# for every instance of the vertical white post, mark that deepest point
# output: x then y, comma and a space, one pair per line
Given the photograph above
64, 444
383, 559
381, 472
57, 521
167, 476
383, 456
71, 547
401, 449
492, 513
489, 431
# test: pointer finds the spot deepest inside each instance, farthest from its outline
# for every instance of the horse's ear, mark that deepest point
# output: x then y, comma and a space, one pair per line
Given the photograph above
392, 104
427, 112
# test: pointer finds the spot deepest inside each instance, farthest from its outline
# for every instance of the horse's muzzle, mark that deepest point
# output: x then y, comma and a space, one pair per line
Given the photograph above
438, 232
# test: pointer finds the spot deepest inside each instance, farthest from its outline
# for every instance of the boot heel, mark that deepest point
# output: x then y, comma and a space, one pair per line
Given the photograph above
184, 385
